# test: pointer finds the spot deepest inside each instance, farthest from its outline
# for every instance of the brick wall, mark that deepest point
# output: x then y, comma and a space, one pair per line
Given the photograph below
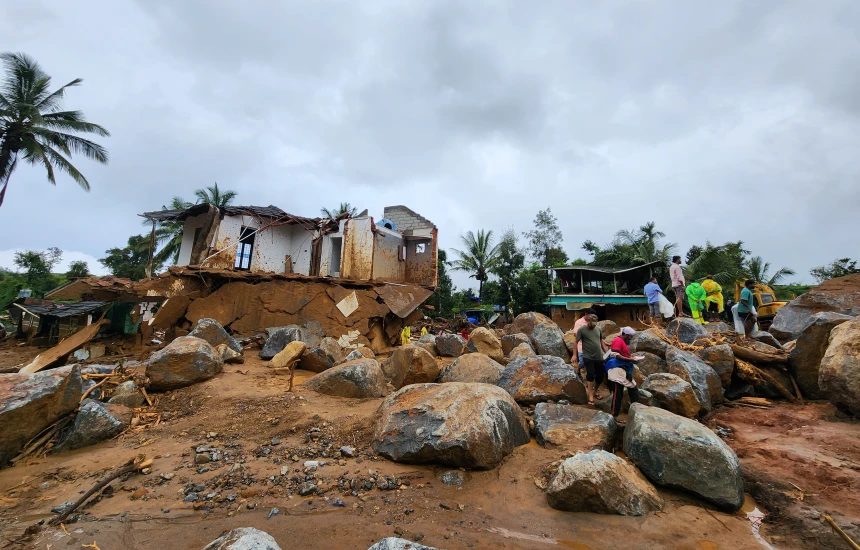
405, 219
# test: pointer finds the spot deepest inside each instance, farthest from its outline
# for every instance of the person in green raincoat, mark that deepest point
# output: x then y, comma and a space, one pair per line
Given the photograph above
696, 299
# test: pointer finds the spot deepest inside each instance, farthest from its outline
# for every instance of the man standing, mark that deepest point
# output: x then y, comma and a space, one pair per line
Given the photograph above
678, 284
714, 303
746, 307
653, 292
576, 326
593, 348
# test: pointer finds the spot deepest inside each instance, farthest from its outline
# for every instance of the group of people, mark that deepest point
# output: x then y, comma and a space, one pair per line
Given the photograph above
705, 299
612, 364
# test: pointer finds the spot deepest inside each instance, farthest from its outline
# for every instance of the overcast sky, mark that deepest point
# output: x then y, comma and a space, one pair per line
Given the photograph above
717, 120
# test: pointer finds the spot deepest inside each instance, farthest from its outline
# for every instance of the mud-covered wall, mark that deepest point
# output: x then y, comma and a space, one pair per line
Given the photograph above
386, 264
357, 258
271, 246
189, 228
421, 261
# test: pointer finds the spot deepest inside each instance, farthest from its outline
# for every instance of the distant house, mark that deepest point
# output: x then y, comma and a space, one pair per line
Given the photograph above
615, 294
400, 247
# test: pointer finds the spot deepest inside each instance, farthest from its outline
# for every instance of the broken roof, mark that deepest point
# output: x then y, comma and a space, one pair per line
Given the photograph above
63, 310
73, 290
598, 269
257, 211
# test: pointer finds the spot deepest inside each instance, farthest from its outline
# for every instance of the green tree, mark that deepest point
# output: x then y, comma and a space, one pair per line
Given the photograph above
530, 289
725, 262
34, 127
168, 234
443, 299
511, 261
837, 268
544, 241
214, 196
78, 269
130, 261
645, 244
479, 258
759, 270
344, 209
36, 267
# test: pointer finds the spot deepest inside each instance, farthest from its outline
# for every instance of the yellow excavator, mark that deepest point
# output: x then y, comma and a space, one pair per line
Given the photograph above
766, 303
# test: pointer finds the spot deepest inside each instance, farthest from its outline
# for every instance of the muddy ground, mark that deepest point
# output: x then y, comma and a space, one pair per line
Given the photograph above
799, 462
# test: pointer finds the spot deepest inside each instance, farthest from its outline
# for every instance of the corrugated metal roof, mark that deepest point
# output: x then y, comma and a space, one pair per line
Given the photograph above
65, 310
257, 211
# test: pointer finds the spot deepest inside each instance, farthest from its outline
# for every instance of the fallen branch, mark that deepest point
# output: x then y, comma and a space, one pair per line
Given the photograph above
753, 374
756, 356
842, 533
132, 465
796, 390
42, 439
92, 388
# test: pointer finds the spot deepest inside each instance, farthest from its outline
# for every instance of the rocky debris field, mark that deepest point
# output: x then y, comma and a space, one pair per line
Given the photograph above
444, 443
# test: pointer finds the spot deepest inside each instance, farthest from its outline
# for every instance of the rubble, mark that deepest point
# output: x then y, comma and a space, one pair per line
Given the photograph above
573, 428
531, 380
185, 361
472, 367
602, 483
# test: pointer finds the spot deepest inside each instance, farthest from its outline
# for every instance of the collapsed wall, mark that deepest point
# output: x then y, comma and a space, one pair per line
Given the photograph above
248, 303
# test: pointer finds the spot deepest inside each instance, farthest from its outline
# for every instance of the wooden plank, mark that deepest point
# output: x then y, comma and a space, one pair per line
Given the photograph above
64, 348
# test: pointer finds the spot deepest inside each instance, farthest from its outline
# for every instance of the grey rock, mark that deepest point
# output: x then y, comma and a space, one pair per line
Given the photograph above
841, 295
323, 357
721, 358
394, 543
185, 361
686, 329
605, 404
452, 477
29, 403
511, 341
717, 326
244, 538
602, 483
307, 488
649, 341
450, 345
574, 428
361, 378
278, 340
548, 339
534, 379
127, 394
652, 363
805, 359
428, 339
94, 423
678, 452
347, 451
212, 331
63, 507
766, 338
409, 365
704, 379
472, 367
673, 393
363, 352
457, 424
839, 375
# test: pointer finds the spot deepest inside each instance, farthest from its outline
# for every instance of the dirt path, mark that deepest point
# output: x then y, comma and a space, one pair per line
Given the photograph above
260, 431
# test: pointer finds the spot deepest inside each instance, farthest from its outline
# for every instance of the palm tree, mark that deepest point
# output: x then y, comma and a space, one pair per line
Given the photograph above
168, 234
644, 244
480, 256
758, 269
724, 262
344, 208
33, 125
214, 196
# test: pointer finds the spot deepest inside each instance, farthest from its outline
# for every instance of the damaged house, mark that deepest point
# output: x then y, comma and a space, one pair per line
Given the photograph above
251, 268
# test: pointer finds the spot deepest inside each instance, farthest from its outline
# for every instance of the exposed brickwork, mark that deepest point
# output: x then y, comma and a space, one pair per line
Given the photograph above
405, 219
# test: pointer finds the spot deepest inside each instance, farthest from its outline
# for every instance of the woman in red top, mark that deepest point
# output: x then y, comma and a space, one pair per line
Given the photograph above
619, 370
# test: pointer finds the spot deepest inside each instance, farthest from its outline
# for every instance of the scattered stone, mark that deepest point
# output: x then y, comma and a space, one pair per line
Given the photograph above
94, 423
202, 458
574, 428
409, 365
362, 352
347, 451
167, 476
686, 329
511, 341
212, 331
531, 380
361, 378
483, 340
651, 364
678, 452
229, 355
602, 483
805, 358
278, 339
127, 394
673, 393
450, 345
244, 538
183, 362
273, 512
839, 375
722, 360
394, 543
452, 477
338, 503
323, 357
649, 341
63, 507
472, 367
766, 338
288, 357
705, 381
457, 424
307, 488
29, 403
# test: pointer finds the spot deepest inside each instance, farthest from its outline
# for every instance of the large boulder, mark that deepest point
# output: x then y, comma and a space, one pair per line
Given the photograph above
472, 367
531, 380
602, 483
244, 538
185, 361
678, 452
651, 363
428, 342
673, 393
410, 365
839, 375
483, 340
525, 323
607, 327
704, 379
685, 329
649, 341
394, 543
511, 341
323, 357
573, 428
94, 423
523, 350
288, 357
450, 345
570, 342
805, 358
29, 403
212, 331
605, 404
721, 358
278, 339
545, 336
717, 326
840, 295
457, 424
360, 378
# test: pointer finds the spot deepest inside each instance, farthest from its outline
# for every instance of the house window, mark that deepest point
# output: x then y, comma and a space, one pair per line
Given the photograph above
245, 248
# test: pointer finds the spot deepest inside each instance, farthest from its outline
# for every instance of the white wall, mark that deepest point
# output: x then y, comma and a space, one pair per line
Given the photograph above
325, 252
271, 245
191, 224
